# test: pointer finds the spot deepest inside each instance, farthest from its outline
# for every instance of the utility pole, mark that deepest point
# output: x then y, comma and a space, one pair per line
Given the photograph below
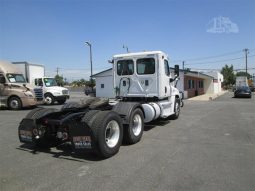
57, 70
91, 71
246, 51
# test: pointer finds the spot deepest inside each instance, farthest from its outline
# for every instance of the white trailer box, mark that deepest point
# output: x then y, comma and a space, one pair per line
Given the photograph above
30, 71
241, 81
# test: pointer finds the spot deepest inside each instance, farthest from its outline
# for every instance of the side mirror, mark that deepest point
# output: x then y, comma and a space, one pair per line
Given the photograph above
2, 80
176, 70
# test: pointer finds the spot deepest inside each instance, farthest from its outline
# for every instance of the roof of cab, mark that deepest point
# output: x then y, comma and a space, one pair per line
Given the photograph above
8, 67
135, 54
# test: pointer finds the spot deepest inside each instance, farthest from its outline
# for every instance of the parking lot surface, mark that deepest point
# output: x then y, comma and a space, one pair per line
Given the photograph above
210, 147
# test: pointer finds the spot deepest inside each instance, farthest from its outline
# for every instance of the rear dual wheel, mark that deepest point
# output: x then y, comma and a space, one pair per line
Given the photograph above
107, 129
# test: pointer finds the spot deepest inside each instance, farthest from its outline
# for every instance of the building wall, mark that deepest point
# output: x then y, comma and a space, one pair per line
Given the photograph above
193, 88
217, 81
104, 85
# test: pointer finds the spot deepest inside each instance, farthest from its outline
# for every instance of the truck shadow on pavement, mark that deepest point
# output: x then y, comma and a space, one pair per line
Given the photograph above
155, 123
63, 151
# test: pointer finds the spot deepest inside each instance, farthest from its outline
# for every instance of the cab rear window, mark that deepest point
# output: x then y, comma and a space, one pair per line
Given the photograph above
145, 66
125, 67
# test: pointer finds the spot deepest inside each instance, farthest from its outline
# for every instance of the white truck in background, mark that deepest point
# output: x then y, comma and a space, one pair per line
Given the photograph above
241, 81
35, 75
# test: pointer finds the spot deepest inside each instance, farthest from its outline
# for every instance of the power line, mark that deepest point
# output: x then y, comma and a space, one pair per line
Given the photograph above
208, 57
219, 60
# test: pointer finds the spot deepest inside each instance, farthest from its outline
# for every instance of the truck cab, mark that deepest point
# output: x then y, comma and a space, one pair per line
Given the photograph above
142, 75
52, 92
15, 92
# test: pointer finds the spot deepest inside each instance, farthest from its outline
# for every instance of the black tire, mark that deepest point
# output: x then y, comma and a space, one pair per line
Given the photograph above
176, 109
14, 103
89, 117
108, 143
31, 113
62, 101
102, 102
42, 112
182, 103
71, 105
134, 131
49, 99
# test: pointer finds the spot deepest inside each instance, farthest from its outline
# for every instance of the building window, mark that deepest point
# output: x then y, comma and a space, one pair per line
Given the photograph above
201, 84
191, 84
102, 85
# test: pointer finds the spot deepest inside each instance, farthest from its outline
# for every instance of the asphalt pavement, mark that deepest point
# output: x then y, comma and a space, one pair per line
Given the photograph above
210, 147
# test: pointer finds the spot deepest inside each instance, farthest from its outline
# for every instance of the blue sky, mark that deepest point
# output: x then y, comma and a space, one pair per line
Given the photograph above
54, 32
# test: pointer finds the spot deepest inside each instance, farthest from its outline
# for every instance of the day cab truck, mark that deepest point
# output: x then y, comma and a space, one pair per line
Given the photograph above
145, 92
15, 92
35, 75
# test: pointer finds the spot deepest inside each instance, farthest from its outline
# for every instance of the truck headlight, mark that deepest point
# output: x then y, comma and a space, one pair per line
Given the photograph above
28, 94
56, 93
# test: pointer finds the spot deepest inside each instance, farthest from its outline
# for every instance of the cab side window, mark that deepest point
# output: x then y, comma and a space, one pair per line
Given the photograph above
167, 70
2, 79
38, 82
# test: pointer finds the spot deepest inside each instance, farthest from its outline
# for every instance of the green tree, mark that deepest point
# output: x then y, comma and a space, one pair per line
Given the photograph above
91, 85
244, 74
59, 79
83, 82
228, 75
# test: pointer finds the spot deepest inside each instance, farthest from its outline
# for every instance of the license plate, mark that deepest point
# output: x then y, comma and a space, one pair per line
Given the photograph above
82, 142
25, 135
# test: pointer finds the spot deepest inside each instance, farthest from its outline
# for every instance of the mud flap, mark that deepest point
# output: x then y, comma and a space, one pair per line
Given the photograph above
26, 131
82, 137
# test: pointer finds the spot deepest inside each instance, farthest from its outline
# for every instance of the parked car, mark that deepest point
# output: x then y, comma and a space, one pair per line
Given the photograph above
89, 91
242, 91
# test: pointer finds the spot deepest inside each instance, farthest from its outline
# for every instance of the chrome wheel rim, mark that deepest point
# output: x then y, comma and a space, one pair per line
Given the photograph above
14, 104
48, 100
137, 124
177, 108
112, 133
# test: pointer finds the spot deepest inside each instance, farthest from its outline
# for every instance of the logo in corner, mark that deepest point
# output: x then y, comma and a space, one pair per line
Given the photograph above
222, 25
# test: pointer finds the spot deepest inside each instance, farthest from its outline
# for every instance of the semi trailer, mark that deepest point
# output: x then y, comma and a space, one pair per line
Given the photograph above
145, 92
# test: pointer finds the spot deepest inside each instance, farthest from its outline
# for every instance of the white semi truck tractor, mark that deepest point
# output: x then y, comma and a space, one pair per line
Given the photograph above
145, 92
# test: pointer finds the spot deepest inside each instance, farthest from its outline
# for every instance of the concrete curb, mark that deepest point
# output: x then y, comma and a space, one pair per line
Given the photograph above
207, 97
